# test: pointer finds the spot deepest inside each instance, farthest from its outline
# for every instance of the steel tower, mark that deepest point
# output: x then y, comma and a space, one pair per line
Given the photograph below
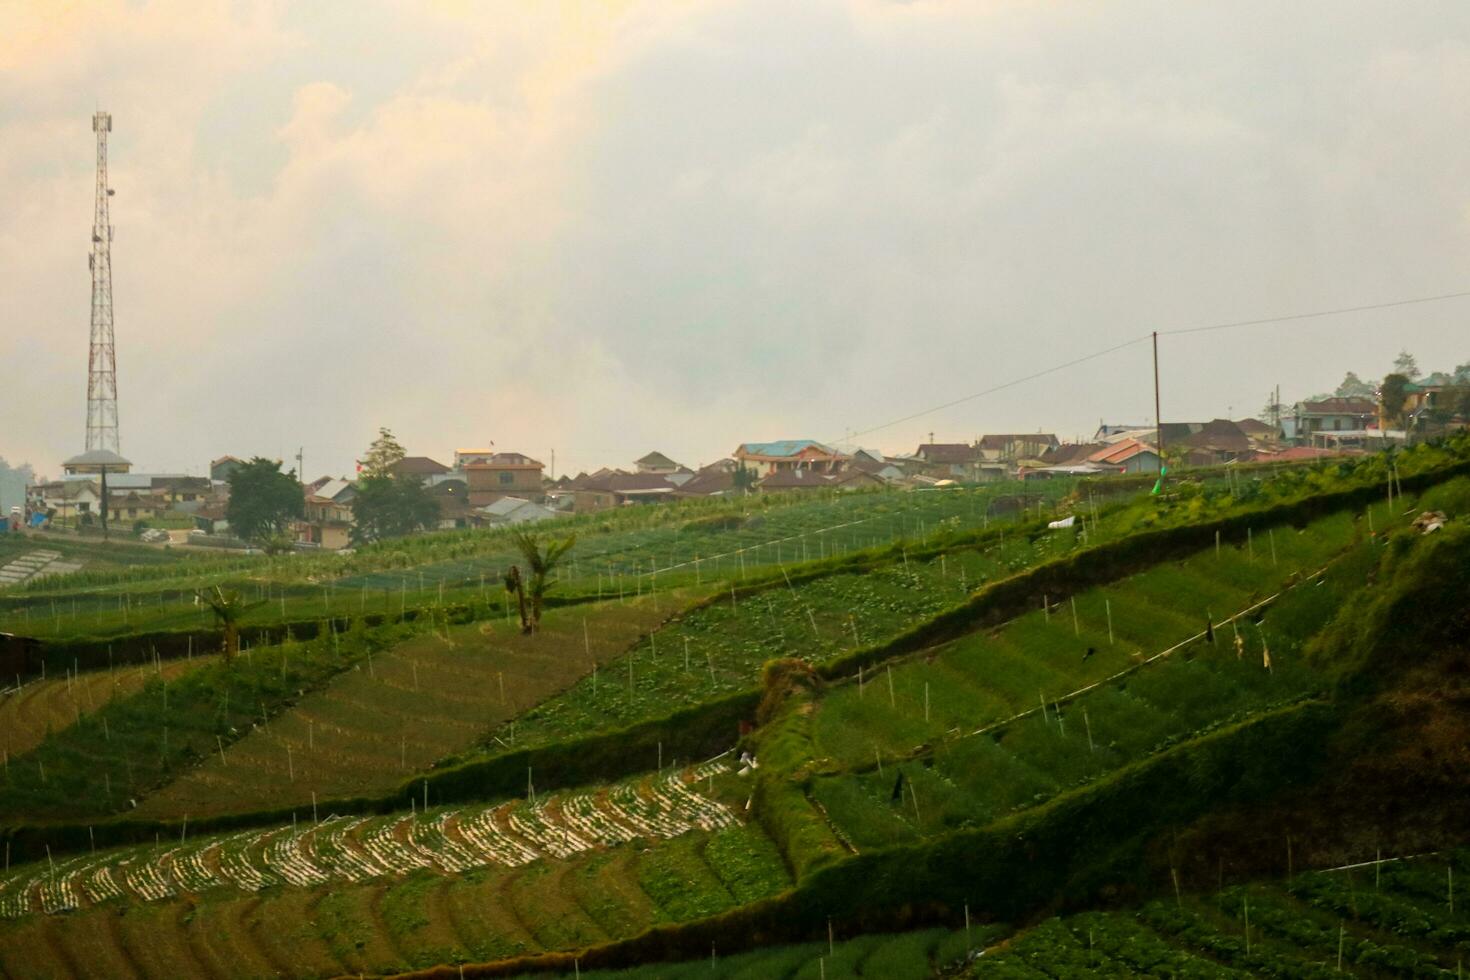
102, 360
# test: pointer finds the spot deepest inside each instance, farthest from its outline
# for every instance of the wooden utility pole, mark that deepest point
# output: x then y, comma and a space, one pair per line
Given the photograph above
1158, 418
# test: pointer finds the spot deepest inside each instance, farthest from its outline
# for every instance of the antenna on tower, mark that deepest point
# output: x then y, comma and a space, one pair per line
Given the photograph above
101, 357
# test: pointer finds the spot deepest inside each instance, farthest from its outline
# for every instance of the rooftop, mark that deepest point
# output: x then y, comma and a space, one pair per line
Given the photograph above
785, 448
97, 457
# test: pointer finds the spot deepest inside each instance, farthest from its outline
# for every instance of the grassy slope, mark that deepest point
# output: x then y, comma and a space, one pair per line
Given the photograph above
1393, 921
34, 710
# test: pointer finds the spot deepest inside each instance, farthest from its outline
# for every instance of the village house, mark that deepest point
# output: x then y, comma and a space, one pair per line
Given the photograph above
717, 479
420, 466
463, 457
452, 494
328, 521
874, 463
514, 510
783, 481
500, 475
1330, 415
133, 505
608, 489
1217, 441
65, 501
1127, 456
1014, 447
657, 462
953, 460
766, 458
220, 470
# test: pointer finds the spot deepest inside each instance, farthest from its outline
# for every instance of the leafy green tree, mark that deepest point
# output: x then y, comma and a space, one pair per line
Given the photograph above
382, 455
263, 500
743, 478
1392, 397
1406, 365
390, 506
540, 563
1353, 386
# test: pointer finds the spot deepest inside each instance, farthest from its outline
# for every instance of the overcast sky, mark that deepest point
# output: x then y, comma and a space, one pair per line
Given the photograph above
680, 226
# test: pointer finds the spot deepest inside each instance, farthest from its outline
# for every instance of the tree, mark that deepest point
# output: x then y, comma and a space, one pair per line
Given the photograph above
540, 563
1406, 365
226, 607
263, 500
743, 478
1392, 397
1353, 387
382, 455
388, 506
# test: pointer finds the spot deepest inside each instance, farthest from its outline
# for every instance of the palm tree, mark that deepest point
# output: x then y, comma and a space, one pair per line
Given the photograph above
227, 607
539, 564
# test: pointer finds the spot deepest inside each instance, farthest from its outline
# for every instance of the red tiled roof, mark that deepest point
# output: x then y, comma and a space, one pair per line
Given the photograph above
1119, 452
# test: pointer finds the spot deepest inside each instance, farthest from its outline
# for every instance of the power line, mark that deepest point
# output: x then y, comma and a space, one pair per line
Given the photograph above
1318, 313
1285, 318
1001, 387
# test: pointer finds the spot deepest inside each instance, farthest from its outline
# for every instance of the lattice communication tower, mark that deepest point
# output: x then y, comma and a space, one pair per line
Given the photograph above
101, 358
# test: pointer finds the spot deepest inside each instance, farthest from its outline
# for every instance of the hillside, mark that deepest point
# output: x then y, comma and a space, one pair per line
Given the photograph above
992, 720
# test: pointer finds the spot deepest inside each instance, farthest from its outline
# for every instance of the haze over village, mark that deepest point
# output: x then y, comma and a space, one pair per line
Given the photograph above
643, 491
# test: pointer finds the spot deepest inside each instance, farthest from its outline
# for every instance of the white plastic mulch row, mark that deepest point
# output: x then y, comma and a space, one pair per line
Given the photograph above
362, 848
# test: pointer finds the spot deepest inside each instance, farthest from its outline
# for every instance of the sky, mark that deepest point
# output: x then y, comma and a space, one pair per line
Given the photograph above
610, 228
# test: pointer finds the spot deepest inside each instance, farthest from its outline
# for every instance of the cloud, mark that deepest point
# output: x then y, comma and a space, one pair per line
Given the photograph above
619, 227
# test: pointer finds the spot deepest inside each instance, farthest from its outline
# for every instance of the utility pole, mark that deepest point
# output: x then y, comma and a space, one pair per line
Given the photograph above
101, 356
1158, 418
300, 466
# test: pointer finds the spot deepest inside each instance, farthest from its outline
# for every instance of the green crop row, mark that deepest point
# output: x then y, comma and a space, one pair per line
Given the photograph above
130, 745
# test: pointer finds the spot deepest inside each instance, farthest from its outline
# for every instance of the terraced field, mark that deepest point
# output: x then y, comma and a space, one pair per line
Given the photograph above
719, 648
346, 895
400, 710
984, 751
992, 675
689, 544
1391, 920
30, 711
915, 955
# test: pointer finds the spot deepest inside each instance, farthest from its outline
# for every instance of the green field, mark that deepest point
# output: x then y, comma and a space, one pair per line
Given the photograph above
1389, 920
952, 707
690, 543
